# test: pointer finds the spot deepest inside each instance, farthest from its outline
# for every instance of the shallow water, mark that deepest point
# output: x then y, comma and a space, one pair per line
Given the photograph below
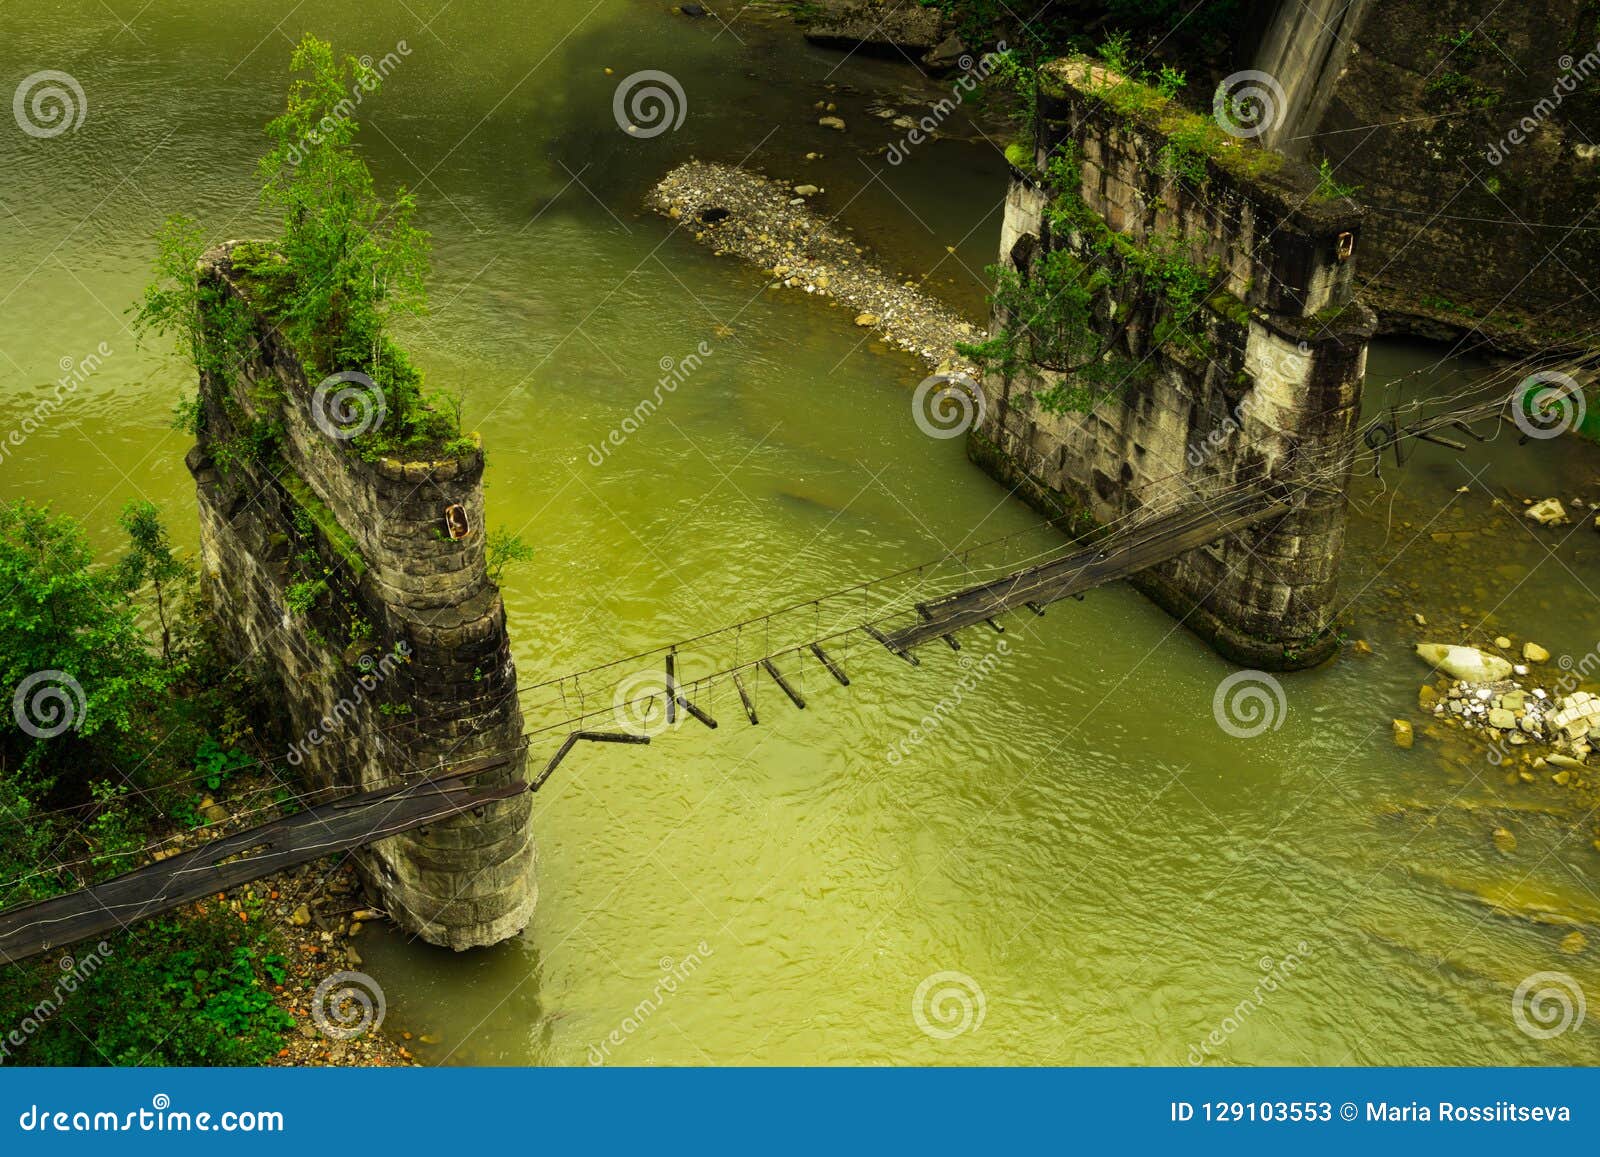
1116, 875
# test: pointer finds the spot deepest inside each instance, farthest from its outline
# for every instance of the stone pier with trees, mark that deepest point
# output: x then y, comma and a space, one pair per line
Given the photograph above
1175, 321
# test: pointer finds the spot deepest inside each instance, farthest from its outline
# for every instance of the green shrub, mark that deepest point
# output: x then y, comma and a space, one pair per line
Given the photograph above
172, 991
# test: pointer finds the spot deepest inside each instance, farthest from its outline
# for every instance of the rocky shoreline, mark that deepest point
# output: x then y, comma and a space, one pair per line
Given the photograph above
890, 27
1534, 724
769, 224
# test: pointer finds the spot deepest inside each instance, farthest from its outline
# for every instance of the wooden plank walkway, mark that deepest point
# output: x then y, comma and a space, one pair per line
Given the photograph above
1138, 549
238, 858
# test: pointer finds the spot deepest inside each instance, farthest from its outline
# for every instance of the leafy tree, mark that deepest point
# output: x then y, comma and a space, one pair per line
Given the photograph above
150, 560
503, 548
1068, 310
346, 266
62, 617
356, 261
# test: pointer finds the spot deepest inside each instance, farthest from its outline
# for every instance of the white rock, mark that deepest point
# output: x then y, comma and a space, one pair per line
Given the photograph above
1464, 662
1549, 512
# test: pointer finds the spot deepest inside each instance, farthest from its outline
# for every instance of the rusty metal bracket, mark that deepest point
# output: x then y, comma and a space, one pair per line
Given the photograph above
572, 741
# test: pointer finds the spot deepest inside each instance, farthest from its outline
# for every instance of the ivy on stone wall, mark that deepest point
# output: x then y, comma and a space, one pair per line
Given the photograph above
1071, 308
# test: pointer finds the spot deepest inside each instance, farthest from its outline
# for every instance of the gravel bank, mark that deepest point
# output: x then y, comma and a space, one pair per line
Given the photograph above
770, 225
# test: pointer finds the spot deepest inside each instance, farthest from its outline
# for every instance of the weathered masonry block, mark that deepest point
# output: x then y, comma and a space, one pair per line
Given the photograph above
380, 633
1273, 403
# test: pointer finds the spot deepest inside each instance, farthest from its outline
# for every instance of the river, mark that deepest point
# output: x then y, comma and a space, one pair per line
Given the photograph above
1112, 875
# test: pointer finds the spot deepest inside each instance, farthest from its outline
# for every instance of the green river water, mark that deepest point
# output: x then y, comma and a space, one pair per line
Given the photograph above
1079, 840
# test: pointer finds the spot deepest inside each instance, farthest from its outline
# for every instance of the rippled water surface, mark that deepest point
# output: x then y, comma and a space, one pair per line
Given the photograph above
1116, 875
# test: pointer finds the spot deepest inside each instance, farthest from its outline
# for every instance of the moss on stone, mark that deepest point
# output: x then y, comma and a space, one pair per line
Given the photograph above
1020, 156
1143, 105
1225, 305
337, 537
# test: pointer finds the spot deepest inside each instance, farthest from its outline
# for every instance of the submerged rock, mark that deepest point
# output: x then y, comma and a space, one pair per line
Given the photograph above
1404, 734
1550, 512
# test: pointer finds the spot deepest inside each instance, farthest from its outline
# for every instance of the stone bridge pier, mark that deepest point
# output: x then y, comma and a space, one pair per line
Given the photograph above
1273, 403
356, 591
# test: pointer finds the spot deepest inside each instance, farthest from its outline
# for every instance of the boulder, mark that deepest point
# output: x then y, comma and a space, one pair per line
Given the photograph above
1467, 663
1534, 653
834, 123
1549, 512
945, 55
1404, 735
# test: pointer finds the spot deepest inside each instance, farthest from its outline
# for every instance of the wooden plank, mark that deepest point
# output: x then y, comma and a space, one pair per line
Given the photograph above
242, 856
1039, 586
